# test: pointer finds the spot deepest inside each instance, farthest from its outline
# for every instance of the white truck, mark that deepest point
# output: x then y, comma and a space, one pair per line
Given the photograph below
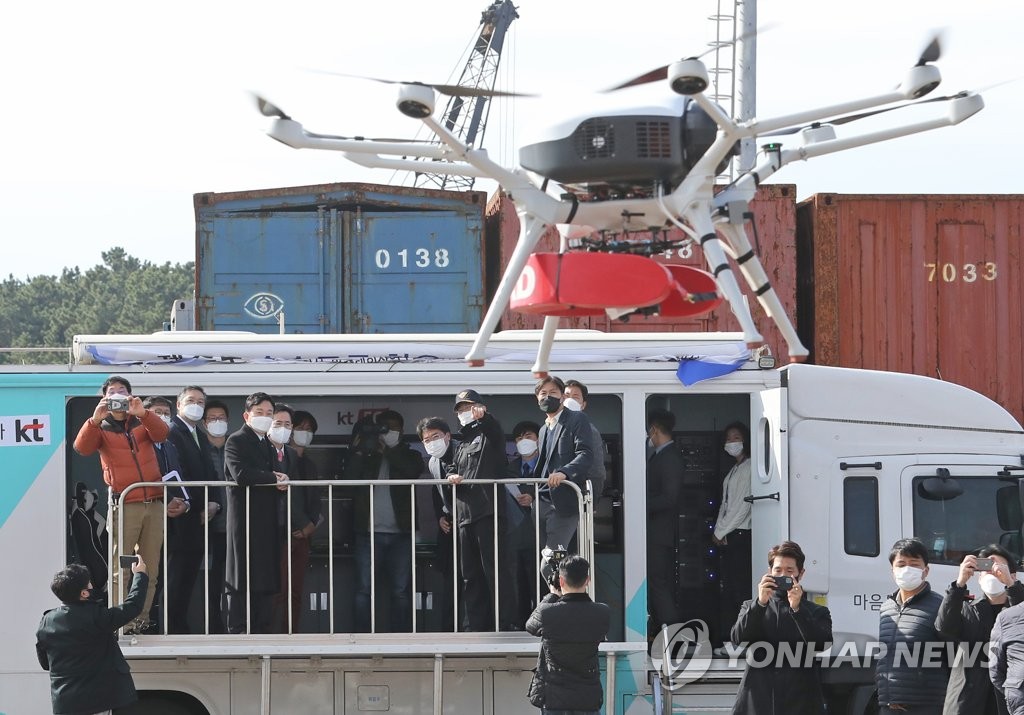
844, 462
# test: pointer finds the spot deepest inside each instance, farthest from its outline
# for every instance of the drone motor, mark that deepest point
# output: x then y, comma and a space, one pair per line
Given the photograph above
416, 100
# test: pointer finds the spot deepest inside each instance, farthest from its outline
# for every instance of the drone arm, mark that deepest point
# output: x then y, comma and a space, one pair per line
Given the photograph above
375, 161
532, 228
547, 339
291, 133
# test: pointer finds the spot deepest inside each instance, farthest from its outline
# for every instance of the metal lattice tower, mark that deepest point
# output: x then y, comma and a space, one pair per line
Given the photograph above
732, 70
466, 117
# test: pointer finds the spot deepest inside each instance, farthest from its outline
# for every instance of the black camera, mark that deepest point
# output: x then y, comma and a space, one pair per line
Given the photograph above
118, 403
783, 583
553, 557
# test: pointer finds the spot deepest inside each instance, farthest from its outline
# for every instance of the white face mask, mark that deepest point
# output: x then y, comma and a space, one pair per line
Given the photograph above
166, 419
990, 585
302, 437
436, 447
465, 417
909, 578
281, 435
571, 404
192, 412
392, 438
734, 449
261, 423
526, 447
217, 428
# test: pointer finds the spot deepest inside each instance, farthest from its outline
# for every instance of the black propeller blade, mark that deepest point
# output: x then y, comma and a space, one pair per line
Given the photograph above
267, 109
661, 73
932, 52
452, 90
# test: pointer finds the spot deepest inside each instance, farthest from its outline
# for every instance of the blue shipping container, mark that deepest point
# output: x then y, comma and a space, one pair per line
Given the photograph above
340, 258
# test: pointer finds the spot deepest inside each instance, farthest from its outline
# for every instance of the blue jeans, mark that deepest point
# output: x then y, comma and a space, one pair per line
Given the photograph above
394, 561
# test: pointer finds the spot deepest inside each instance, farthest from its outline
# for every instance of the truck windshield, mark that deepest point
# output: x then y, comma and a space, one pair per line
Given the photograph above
986, 512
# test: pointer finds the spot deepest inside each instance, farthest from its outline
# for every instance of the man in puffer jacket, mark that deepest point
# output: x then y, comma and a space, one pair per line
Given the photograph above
912, 672
1006, 657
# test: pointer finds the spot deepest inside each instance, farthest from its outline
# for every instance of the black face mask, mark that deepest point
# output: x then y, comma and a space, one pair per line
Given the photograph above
550, 404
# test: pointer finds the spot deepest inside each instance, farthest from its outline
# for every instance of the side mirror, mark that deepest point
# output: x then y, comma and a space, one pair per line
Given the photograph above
941, 487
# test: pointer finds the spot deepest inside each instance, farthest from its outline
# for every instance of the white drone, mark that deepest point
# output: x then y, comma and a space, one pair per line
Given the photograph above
633, 173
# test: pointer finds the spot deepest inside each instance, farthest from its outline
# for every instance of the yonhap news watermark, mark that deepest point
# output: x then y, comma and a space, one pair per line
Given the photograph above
683, 653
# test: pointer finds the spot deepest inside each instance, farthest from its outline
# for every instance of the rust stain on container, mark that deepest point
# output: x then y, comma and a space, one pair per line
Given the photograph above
929, 285
774, 209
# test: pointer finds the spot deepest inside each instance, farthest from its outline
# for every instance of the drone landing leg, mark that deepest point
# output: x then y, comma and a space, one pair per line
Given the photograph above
751, 268
530, 232
699, 217
540, 368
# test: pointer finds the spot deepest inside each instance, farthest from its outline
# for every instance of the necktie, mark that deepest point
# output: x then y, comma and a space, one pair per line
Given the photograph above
280, 455
195, 436
527, 472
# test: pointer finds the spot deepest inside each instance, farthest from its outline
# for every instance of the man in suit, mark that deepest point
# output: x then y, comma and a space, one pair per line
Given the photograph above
522, 550
436, 437
664, 481
77, 643
249, 462
566, 452
185, 540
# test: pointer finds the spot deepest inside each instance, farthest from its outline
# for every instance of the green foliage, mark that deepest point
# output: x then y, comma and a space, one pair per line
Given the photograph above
123, 295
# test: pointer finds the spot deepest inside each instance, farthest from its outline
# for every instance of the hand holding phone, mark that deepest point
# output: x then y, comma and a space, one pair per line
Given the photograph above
984, 565
783, 583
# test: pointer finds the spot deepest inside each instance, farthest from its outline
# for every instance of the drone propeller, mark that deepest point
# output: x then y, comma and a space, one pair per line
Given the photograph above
932, 52
452, 90
660, 73
267, 109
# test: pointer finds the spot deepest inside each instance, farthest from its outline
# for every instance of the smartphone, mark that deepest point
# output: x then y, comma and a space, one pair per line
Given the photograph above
128, 561
984, 565
783, 583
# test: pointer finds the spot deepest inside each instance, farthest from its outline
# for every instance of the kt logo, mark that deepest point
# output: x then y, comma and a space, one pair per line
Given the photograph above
22, 431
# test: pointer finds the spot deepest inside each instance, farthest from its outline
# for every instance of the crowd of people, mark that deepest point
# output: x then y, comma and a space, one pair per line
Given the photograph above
219, 500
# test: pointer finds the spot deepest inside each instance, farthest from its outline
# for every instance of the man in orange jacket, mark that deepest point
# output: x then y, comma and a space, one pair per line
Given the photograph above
123, 432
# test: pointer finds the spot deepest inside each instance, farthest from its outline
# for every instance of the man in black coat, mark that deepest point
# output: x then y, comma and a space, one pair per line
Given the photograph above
796, 628
249, 462
77, 643
185, 543
480, 455
436, 437
566, 453
664, 482
571, 628
969, 623
1006, 657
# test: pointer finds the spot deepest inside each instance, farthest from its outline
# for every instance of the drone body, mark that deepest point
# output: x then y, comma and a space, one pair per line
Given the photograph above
627, 175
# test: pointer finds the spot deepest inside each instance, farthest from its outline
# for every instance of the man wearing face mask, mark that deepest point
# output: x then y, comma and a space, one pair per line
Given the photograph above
253, 563
566, 452
522, 550
378, 453
185, 541
436, 437
481, 455
304, 509
910, 684
215, 420
969, 623
77, 643
576, 396
664, 483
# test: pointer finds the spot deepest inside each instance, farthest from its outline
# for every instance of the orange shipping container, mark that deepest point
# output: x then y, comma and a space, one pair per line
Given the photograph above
774, 209
929, 285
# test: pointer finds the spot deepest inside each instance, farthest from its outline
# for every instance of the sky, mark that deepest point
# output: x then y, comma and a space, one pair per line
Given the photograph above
116, 113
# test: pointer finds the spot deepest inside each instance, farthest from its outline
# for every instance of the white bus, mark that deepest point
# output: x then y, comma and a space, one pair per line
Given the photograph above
844, 462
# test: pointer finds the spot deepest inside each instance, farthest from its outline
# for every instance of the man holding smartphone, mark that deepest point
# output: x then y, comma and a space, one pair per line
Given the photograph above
77, 642
968, 622
782, 614
124, 432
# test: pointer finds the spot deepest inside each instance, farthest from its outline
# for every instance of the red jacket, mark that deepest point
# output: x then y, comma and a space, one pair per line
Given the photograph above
128, 456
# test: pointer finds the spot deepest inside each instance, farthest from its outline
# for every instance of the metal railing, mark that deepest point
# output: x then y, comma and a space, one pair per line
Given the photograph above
584, 536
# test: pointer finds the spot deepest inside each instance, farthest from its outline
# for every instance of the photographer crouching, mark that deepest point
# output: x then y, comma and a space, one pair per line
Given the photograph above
571, 627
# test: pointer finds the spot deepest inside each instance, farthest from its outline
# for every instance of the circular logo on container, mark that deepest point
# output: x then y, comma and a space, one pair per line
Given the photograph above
263, 305
682, 652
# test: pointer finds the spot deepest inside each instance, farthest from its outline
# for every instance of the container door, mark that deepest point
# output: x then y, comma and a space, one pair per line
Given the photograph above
768, 488
260, 264
413, 272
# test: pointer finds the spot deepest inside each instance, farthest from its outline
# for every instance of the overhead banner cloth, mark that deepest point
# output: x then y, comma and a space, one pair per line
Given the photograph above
697, 369
267, 352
